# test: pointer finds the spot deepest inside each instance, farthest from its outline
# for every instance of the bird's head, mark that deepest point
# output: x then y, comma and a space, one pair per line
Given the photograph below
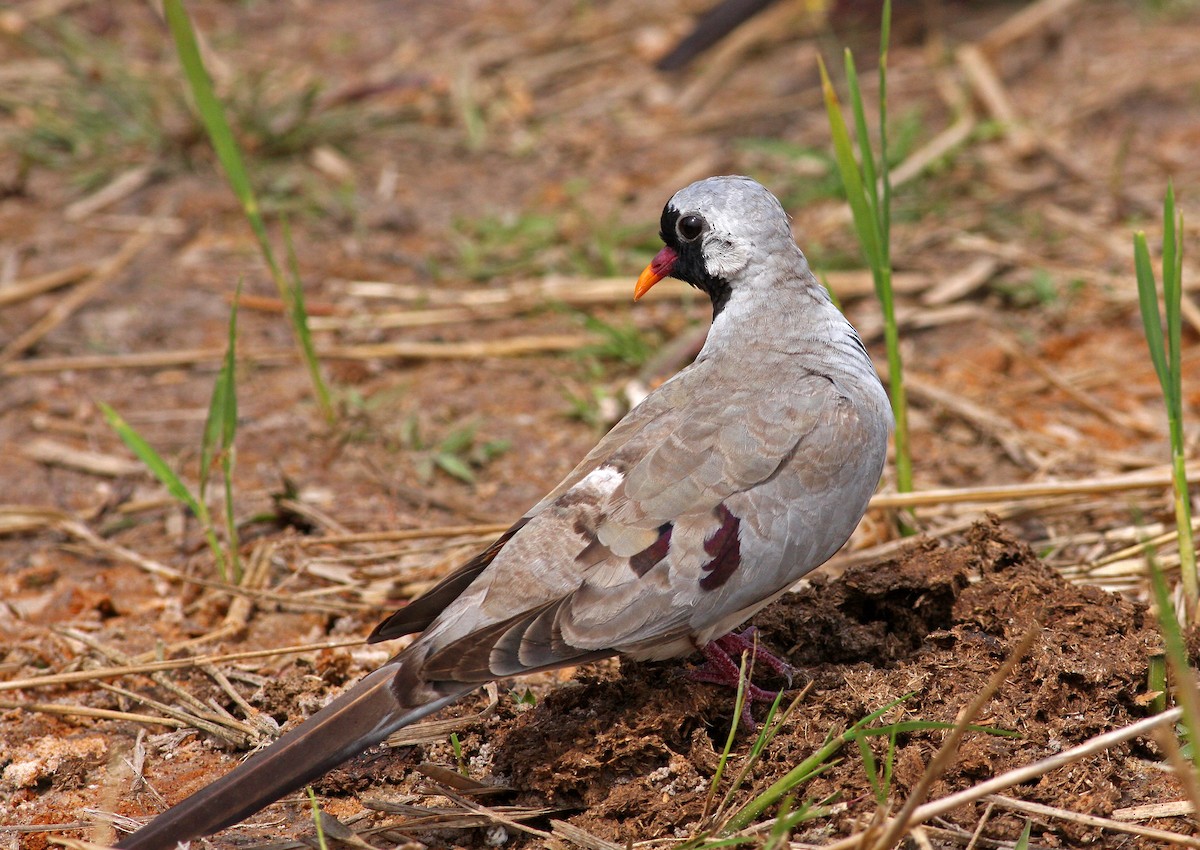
712, 230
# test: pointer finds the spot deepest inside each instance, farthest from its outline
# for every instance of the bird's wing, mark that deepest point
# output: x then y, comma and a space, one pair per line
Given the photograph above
619, 556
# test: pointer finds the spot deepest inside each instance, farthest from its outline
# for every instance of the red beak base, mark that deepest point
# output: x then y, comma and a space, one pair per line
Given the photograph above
661, 266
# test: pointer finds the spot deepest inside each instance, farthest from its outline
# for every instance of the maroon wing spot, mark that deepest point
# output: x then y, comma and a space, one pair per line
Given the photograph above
644, 561
725, 550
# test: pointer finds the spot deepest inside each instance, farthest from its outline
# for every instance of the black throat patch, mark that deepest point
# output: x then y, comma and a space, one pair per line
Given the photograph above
690, 266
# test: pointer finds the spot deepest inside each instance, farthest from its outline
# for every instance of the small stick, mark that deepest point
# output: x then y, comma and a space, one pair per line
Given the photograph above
1159, 476
80, 295
54, 453
1093, 820
1027, 773
97, 713
1025, 22
990, 90
23, 290
121, 186
404, 534
168, 664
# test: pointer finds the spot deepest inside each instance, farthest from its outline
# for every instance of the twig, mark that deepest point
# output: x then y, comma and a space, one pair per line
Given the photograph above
517, 346
990, 90
1092, 820
169, 664
1151, 811
1022, 24
1027, 773
98, 713
76, 298
54, 453
1159, 476
23, 290
404, 534
1181, 766
121, 186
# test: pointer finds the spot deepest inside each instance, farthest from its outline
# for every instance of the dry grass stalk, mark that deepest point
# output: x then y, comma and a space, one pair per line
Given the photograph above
1181, 766
935, 149
121, 186
949, 749
978, 833
581, 837
990, 90
516, 346
1024, 23
197, 714
892, 548
1158, 476
1151, 811
767, 26
1027, 773
1093, 820
975, 275
1018, 444
54, 453
583, 291
23, 290
76, 844
495, 815
221, 726
100, 673
404, 534
95, 713
65, 307
1115, 418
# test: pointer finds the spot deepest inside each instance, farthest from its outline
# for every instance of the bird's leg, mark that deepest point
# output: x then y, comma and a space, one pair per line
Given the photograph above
735, 643
719, 668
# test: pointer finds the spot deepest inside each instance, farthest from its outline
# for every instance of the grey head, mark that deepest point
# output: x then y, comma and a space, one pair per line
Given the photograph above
714, 230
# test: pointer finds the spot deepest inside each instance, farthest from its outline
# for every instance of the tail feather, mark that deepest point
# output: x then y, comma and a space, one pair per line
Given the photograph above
363, 716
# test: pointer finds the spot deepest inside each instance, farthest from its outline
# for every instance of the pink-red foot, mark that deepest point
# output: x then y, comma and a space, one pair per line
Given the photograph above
721, 668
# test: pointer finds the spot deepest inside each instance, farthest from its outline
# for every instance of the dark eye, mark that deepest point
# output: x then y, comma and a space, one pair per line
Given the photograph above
690, 227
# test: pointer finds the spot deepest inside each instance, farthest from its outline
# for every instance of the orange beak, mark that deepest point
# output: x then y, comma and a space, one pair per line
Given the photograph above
661, 266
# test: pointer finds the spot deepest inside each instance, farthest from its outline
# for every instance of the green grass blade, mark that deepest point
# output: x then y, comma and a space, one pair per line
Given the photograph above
316, 816
1172, 296
1166, 355
1023, 841
814, 765
739, 703
298, 314
231, 529
153, 460
220, 426
866, 157
212, 116
872, 221
885, 209
1148, 302
1186, 690
871, 768
843, 153
161, 470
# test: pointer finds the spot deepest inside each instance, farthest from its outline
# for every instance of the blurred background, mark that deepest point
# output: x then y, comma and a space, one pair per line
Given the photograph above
471, 189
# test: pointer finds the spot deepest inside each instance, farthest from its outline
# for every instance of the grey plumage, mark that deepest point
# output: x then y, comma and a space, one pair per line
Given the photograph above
740, 474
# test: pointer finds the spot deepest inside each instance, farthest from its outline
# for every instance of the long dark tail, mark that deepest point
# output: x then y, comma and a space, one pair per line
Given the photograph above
359, 718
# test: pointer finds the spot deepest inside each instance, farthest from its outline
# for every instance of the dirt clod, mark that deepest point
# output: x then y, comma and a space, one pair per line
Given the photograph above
636, 749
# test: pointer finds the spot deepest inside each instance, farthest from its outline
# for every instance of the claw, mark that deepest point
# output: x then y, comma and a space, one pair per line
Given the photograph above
719, 668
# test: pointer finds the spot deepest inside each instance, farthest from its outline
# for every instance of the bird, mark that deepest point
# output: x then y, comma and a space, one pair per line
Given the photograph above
738, 475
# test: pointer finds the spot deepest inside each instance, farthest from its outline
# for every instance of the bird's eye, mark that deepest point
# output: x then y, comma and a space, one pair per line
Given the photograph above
690, 227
